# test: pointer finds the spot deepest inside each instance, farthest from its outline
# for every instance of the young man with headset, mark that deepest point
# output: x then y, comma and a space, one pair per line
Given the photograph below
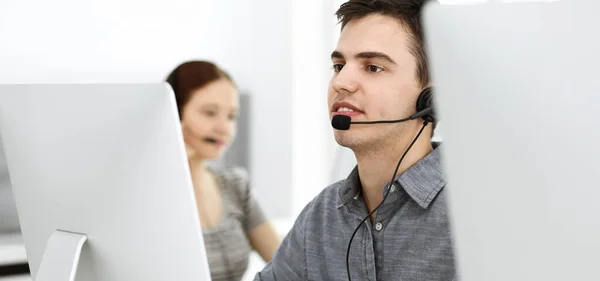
363, 228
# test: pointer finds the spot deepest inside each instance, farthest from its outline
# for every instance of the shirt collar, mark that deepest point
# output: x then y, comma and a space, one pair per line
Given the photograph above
422, 181
350, 188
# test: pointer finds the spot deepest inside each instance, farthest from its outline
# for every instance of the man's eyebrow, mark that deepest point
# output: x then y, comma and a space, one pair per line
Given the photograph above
336, 55
375, 55
365, 55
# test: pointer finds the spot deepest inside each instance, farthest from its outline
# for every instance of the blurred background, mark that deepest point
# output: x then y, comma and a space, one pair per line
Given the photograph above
276, 50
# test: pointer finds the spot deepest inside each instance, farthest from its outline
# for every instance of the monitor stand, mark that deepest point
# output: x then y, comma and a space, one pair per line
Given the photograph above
61, 256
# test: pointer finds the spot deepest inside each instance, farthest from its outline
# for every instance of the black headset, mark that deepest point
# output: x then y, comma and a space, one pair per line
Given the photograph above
425, 106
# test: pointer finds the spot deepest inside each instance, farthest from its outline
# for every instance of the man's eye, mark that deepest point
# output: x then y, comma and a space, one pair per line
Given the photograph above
337, 67
374, 68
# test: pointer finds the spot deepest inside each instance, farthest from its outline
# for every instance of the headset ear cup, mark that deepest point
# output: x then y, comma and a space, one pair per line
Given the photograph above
424, 101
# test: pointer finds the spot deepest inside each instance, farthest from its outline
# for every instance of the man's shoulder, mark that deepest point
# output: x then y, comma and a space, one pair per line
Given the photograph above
328, 198
323, 207
330, 194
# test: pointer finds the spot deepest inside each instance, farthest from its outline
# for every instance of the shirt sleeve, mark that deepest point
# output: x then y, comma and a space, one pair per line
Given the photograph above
289, 261
253, 213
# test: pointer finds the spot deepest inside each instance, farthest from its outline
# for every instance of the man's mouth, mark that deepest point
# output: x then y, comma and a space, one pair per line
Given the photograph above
346, 110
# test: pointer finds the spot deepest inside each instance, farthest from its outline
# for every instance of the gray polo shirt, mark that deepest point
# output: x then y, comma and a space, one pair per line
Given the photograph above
409, 239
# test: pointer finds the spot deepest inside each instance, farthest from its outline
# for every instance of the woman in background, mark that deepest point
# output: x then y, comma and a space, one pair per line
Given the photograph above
233, 223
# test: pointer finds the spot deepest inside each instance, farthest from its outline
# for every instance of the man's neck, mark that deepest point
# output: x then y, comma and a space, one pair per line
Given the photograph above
375, 168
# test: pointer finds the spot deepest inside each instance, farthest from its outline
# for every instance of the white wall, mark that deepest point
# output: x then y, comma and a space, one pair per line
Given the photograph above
141, 41
256, 38
314, 147
93, 40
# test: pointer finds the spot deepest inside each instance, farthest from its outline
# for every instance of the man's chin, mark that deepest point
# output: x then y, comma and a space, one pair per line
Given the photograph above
345, 139
354, 142
343, 144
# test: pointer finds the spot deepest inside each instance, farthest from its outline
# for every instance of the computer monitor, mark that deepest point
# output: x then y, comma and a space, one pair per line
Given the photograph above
101, 182
518, 92
9, 221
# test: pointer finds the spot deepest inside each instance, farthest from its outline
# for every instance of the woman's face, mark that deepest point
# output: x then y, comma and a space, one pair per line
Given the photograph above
209, 118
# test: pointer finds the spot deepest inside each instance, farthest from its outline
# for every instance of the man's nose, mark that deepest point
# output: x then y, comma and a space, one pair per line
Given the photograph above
345, 81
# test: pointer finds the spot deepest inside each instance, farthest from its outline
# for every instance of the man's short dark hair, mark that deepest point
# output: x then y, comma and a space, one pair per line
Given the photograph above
408, 12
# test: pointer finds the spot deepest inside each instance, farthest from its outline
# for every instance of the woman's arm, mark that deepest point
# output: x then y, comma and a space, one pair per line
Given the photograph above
261, 233
264, 240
